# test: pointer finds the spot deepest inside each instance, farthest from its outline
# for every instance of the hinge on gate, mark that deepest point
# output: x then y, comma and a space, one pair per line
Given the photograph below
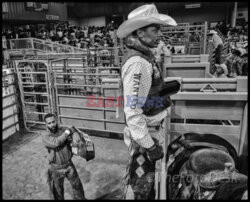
208, 88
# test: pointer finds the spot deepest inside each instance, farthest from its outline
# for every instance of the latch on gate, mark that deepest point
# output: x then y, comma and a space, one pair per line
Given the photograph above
208, 88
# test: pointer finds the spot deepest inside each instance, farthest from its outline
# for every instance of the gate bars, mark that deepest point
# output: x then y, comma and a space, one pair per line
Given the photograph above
71, 85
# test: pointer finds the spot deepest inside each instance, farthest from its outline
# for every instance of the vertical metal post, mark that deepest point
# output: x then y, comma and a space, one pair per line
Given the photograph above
166, 135
104, 113
116, 50
32, 44
11, 47
205, 38
49, 84
233, 19
53, 90
47, 89
57, 111
243, 133
19, 78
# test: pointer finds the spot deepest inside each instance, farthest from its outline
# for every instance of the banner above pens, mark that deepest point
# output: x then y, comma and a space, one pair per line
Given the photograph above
52, 17
37, 6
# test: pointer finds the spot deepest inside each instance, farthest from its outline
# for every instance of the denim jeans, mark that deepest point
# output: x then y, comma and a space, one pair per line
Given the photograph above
57, 181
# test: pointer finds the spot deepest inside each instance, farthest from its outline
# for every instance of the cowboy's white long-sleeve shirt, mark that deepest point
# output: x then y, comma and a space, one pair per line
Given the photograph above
137, 77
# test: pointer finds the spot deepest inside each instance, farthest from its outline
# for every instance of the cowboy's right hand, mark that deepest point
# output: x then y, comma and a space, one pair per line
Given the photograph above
70, 130
155, 153
67, 131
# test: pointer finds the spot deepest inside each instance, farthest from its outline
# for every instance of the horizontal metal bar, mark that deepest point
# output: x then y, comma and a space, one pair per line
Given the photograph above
59, 59
4, 118
34, 93
9, 84
45, 73
86, 74
9, 74
28, 86
88, 119
9, 95
35, 122
83, 85
30, 112
32, 125
85, 97
205, 80
32, 61
106, 48
90, 86
33, 83
36, 103
80, 58
86, 67
88, 108
10, 105
26, 77
13, 124
99, 130
218, 96
107, 86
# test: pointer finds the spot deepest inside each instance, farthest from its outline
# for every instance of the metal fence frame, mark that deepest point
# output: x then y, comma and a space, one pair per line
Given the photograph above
23, 93
56, 95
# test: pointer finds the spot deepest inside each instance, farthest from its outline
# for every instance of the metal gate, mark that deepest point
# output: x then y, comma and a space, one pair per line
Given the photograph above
80, 96
35, 93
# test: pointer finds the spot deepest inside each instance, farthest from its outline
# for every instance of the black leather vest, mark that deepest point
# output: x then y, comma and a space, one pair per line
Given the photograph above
155, 103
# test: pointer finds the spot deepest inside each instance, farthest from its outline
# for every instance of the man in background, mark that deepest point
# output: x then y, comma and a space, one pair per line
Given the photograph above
56, 140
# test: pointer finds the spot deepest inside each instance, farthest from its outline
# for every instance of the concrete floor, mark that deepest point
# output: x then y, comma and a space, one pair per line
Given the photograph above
24, 165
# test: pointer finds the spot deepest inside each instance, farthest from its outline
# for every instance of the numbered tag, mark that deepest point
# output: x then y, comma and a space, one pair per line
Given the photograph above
90, 146
74, 150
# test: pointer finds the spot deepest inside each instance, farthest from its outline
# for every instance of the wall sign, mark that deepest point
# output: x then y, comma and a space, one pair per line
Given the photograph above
197, 5
37, 6
52, 17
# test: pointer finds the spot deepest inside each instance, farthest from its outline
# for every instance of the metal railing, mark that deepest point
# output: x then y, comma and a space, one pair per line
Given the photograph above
42, 45
186, 31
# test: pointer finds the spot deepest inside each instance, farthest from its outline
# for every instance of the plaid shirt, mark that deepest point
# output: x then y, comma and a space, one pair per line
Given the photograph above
137, 78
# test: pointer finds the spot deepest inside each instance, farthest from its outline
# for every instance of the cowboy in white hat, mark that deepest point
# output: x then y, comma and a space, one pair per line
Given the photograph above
141, 80
212, 32
217, 45
221, 71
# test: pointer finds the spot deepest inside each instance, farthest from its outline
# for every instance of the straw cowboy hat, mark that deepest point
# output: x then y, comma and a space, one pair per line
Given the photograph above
212, 32
223, 66
141, 17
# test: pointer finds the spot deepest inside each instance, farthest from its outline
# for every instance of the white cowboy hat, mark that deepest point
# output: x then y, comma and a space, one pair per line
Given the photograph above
245, 44
141, 17
223, 66
212, 32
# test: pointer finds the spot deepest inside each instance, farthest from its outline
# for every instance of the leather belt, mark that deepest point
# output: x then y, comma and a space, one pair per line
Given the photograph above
58, 166
155, 127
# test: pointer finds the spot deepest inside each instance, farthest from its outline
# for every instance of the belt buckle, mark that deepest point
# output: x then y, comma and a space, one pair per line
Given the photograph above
157, 127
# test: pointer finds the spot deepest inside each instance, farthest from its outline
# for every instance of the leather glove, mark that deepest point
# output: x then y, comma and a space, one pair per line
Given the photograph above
70, 130
155, 153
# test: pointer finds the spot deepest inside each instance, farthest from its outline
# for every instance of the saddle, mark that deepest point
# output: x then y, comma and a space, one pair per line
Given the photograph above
205, 170
198, 164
